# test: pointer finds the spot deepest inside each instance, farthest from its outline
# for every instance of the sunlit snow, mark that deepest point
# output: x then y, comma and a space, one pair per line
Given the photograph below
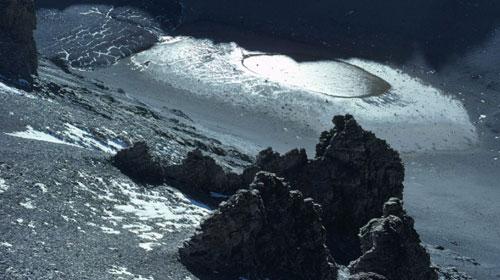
33, 134
411, 115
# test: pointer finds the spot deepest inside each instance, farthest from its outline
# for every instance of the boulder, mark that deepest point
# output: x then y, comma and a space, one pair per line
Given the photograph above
200, 175
267, 231
197, 175
18, 56
391, 247
141, 164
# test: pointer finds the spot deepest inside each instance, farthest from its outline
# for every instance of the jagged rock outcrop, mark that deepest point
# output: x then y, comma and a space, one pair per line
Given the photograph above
352, 175
198, 175
18, 57
391, 247
267, 231
141, 164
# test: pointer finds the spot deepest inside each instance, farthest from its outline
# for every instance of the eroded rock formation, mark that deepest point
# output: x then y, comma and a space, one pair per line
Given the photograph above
352, 175
267, 231
198, 175
18, 57
141, 164
391, 247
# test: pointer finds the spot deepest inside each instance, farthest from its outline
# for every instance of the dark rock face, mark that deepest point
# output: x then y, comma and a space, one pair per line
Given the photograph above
267, 231
139, 163
352, 175
18, 57
391, 247
198, 175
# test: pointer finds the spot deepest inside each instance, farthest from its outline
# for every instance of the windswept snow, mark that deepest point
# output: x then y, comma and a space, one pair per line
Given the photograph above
10, 90
157, 214
150, 215
73, 136
150, 205
85, 139
33, 134
108, 230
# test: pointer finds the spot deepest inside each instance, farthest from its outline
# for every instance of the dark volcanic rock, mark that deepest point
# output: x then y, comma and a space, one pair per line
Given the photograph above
391, 247
352, 175
198, 175
18, 57
140, 164
265, 232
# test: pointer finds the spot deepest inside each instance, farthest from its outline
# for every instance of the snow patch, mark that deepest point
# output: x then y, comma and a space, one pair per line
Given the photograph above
150, 205
108, 230
33, 134
153, 214
122, 273
148, 246
42, 187
87, 140
3, 186
6, 244
148, 214
11, 90
28, 204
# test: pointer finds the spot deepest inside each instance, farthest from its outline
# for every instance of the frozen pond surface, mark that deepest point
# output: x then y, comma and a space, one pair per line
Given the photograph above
301, 97
329, 77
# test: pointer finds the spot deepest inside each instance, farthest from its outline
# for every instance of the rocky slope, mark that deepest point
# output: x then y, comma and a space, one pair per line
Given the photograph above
18, 57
